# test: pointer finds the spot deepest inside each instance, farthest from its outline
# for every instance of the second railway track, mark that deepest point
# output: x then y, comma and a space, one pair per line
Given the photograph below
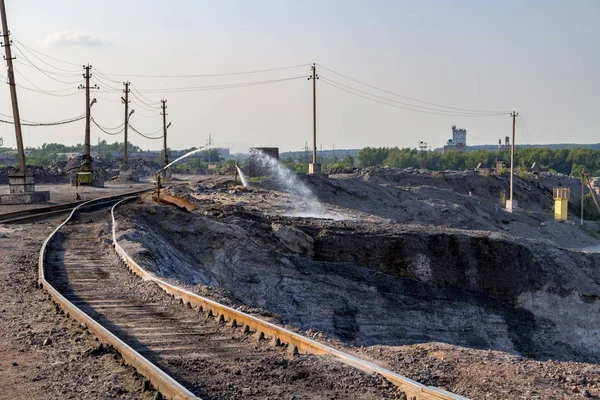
213, 360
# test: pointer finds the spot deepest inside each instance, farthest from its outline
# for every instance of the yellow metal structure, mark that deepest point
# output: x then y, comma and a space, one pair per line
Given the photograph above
84, 178
561, 203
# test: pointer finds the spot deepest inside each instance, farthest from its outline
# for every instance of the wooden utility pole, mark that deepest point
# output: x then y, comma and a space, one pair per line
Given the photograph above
87, 158
582, 177
13, 89
314, 168
126, 101
164, 115
209, 146
511, 204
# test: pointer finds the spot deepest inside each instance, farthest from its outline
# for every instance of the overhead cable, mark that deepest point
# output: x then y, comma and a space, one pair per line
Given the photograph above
394, 101
412, 98
211, 75
54, 123
149, 135
45, 55
327, 82
105, 130
43, 72
218, 87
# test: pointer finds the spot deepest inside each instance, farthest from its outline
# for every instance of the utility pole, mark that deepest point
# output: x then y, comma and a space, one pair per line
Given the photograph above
21, 185
126, 102
511, 204
209, 145
87, 158
314, 168
582, 177
164, 115
13, 89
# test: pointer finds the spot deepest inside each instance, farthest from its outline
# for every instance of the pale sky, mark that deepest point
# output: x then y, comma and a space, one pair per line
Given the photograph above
540, 58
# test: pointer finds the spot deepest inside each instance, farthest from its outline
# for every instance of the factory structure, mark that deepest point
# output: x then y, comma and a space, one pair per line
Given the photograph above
458, 141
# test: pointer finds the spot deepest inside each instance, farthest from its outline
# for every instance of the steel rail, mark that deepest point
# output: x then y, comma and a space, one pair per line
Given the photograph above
160, 380
414, 390
33, 214
25, 215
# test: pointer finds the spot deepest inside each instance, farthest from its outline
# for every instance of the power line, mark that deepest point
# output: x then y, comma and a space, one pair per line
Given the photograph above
70, 75
49, 93
135, 100
147, 99
107, 99
327, 82
219, 87
148, 104
392, 100
211, 75
411, 98
107, 77
105, 130
525, 127
42, 71
45, 55
54, 123
147, 136
104, 83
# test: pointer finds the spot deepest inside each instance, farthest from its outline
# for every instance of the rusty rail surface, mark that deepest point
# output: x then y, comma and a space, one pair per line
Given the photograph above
414, 390
160, 380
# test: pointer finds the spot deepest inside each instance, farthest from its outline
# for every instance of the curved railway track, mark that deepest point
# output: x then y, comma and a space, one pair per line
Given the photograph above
189, 354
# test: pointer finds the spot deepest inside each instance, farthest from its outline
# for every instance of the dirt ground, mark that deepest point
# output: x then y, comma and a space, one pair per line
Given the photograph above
221, 250
364, 217
215, 361
44, 354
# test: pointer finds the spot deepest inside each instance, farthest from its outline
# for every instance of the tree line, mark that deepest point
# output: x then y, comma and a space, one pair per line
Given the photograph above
566, 161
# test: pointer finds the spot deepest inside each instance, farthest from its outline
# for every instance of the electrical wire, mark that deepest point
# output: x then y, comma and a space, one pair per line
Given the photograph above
45, 55
71, 75
54, 123
102, 82
145, 98
147, 136
106, 77
47, 92
327, 82
219, 87
525, 128
412, 98
42, 71
149, 105
107, 99
139, 114
211, 75
142, 106
388, 99
40, 90
105, 130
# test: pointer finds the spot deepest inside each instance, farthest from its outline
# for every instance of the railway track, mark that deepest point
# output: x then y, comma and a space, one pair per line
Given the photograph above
36, 214
190, 354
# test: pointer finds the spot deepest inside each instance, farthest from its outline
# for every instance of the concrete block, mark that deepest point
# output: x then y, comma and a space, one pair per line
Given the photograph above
25, 198
511, 205
21, 183
314, 169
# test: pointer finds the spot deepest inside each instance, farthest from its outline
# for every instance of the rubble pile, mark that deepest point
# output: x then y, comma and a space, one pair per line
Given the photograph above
64, 170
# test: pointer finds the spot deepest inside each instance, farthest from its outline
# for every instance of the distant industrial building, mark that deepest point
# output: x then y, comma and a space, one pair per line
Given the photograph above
458, 141
506, 146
